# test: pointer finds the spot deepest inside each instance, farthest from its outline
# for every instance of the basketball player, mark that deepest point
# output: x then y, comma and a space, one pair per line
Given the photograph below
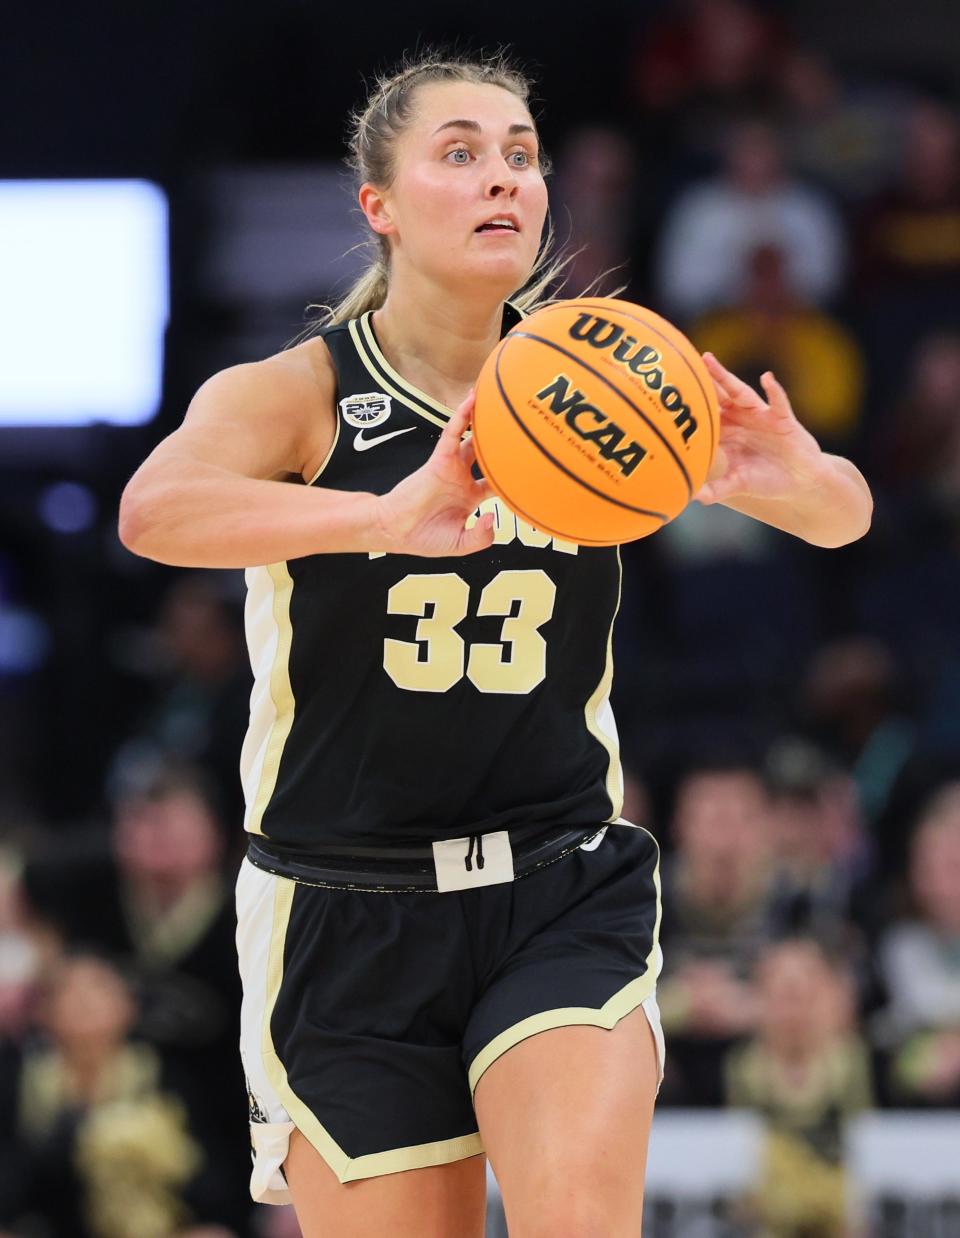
447, 935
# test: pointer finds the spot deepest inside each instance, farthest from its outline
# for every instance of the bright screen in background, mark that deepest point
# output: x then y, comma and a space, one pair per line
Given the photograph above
83, 301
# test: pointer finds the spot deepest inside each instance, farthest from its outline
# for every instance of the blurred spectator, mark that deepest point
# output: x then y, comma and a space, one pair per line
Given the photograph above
736, 613
25, 646
205, 1231
716, 890
702, 536
636, 800
806, 1071
160, 903
715, 225
821, 854
912, 595
824, 883
912, 232
595, 187
124, 1098
197, 712
705, 60
274, 1222
109, 1152
853, 698
771, 328
920, 452
908, 265
920, 960
842, 135
21, 960
20, 952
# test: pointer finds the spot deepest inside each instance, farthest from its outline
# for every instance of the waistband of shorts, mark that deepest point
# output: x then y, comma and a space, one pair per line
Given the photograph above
407, 868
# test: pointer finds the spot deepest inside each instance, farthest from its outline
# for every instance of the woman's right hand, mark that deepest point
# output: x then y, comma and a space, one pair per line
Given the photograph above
425, 514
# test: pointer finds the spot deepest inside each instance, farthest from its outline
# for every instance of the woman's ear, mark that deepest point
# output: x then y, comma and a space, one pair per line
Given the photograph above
374, 207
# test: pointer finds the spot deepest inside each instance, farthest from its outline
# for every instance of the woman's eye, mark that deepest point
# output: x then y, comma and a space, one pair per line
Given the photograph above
520, 158
460, 155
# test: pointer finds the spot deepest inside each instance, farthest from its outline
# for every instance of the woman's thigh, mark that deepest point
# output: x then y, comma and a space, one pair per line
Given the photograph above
565, 1119
442, 1201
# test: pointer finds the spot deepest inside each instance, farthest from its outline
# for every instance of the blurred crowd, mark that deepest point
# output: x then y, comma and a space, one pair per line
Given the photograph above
790, 718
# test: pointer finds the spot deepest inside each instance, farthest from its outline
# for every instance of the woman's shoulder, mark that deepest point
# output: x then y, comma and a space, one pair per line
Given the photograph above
279, 408
309, 360
309, 366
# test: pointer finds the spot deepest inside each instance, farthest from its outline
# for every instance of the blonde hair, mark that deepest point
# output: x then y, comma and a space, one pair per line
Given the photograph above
374, 130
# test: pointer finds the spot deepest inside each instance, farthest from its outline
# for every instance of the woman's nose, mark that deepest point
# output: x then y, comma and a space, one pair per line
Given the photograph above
503, 181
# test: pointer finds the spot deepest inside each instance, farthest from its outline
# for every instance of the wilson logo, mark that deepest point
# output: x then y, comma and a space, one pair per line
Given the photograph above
641, 359
592, 424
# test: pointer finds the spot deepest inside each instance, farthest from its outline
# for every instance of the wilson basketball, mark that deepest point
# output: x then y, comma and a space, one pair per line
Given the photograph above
595, 421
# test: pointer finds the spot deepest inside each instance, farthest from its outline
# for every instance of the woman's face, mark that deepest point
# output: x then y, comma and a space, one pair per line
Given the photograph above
935, 870
89, 1003
801, 999
468, 157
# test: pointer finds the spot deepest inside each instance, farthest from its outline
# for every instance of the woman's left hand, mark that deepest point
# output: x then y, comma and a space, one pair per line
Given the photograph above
764, 452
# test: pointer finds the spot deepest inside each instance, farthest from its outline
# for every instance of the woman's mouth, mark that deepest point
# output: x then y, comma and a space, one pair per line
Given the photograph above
499, 223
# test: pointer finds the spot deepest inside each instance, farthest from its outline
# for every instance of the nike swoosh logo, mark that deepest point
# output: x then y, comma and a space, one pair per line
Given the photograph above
364, 444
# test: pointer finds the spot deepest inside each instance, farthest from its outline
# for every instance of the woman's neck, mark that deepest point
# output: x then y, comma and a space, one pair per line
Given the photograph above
436, 343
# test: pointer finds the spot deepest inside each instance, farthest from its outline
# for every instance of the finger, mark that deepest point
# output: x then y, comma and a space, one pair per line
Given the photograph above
448, 444
735, 389
720, 489
479, 536
467, 405
734, 418
705, 495
468, 452
455, 428
737, 412
483, 490
777, 398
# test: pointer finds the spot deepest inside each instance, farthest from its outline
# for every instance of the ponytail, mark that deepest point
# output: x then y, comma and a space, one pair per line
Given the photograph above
367, 292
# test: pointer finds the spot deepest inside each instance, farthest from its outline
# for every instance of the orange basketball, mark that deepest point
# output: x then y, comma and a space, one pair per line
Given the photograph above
596, 420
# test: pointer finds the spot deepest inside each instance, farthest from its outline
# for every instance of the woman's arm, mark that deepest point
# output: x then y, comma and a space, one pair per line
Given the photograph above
769, 467
217, 492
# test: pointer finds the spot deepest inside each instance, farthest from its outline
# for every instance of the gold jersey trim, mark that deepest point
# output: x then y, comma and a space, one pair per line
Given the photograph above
599, 715
373, 359
327, 458
347, 1168
369, 351
272, 705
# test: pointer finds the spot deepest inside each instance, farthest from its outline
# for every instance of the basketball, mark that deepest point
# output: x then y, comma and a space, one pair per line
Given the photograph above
596, 420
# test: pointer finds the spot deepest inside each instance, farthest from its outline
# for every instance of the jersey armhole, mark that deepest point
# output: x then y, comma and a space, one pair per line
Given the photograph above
331, 367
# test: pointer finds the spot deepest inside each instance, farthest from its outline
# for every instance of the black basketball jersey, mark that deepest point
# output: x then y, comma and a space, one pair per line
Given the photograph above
405, 699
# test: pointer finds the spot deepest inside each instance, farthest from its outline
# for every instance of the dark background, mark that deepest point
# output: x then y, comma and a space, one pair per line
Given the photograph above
173, 92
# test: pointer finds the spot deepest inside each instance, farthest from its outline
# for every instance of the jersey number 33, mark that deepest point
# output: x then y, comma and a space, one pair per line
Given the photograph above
438, 657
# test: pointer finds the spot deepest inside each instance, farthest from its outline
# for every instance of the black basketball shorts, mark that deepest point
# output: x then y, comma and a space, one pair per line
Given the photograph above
369, 1016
